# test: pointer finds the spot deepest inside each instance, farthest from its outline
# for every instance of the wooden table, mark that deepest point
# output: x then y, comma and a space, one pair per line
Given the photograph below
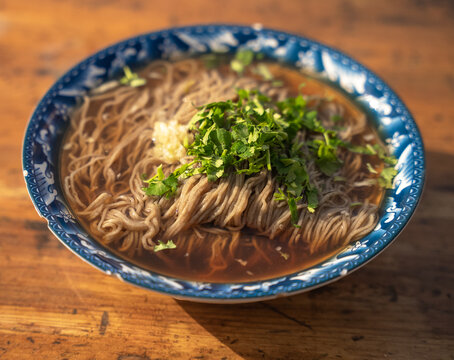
400, 306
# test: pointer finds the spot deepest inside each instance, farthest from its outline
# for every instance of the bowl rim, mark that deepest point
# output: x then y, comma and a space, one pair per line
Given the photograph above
200, 291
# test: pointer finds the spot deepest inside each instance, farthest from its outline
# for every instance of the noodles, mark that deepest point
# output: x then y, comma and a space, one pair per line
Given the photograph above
235, 220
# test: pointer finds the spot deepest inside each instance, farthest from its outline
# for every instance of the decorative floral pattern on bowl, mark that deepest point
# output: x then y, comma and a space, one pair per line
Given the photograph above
393, 121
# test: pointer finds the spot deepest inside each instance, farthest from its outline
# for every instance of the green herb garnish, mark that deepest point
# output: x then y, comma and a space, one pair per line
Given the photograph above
284, 255
160, 185
353, 204
375, 149
131, 78
371, 168
264, 72
164, 246
255, 133
386, 177
244, 137
243, 58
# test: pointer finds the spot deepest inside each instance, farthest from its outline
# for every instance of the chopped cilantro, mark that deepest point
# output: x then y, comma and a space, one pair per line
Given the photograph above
243, 58
283, 254
388, 173
164, 246
246, 136
312, 199
131, 79
264, 72
353, 204
254, 133
386, 177
159, 185
371, 169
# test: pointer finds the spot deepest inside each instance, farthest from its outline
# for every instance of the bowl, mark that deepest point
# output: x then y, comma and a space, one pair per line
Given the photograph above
390, 116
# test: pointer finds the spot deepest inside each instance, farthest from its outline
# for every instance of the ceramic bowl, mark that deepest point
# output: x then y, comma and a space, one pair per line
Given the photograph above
389, 115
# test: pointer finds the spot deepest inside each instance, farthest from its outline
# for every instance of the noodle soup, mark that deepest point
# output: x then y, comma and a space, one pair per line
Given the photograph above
232, 228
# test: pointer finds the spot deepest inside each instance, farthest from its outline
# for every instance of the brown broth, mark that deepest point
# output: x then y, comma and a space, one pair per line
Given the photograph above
278, 258
194, 267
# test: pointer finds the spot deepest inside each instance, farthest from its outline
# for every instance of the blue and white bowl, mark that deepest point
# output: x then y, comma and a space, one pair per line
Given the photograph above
390, 116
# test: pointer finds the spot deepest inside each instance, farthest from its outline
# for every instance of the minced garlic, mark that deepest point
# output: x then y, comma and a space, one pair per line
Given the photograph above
169, 138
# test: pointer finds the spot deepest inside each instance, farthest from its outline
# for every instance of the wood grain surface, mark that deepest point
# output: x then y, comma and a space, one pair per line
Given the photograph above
399, 306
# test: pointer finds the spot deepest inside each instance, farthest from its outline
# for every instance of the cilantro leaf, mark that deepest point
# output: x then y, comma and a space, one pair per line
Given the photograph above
160, 187
254, 133
131, 79
264, 72
164, 246
291, 201
386, 177
371, 168
157, 188
285, 255
243, 58
246, 136
327, 160
312, 199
